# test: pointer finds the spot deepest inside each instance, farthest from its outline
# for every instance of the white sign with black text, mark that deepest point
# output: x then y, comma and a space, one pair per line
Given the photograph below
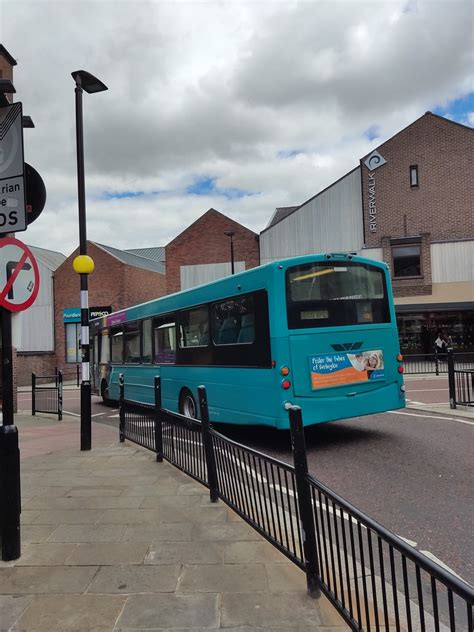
12, 183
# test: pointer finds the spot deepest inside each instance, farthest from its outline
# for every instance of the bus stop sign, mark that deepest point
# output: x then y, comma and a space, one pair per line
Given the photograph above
19, 275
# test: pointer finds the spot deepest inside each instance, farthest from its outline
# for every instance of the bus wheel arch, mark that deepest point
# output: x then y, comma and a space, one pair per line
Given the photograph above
187, 404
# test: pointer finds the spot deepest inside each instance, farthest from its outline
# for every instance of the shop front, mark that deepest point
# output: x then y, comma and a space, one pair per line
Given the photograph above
420, 325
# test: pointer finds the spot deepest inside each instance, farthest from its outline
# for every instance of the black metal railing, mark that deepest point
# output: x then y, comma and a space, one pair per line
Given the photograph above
461, 383
71, 375
47, 394
435, 363
373, 578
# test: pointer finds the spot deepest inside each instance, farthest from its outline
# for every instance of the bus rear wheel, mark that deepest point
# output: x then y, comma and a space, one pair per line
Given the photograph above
187, 404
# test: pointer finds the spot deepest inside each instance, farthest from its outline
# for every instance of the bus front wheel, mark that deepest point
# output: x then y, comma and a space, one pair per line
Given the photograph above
187, 404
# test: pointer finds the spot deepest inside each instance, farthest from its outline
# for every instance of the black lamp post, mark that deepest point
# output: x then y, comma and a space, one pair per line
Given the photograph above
231, 233
83, 264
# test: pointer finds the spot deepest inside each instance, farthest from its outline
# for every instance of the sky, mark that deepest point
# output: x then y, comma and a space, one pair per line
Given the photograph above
238, 106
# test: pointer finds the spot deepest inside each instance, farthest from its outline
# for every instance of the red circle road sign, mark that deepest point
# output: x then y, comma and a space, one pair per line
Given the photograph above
19, 275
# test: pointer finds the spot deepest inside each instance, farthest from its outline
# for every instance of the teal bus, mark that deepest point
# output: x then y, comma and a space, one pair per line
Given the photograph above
318, 331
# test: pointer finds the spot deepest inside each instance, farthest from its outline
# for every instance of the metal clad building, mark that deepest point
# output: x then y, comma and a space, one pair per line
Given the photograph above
331, 220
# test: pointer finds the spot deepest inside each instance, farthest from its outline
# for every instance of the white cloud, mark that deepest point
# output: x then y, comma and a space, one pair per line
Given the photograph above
219, 89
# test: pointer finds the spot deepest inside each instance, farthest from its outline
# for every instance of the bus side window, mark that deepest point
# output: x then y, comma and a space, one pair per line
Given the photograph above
146, 341
132, 343
194, 327
164, 334
116, 345
233, 321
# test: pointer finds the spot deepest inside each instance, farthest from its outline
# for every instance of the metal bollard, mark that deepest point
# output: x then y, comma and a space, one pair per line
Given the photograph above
10, 498
121, 408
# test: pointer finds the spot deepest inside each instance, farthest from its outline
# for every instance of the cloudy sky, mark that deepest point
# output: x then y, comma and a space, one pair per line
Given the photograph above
240, 106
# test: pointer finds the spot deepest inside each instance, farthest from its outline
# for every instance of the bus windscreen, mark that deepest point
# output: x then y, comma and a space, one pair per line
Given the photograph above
335, 294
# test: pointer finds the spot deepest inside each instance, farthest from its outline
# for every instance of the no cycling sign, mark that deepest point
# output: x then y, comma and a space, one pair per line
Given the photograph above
19, 275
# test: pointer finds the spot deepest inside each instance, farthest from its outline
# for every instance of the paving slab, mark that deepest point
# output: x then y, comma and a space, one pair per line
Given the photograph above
142, 612
223, 578
108, 554
177, 532
135, 579
11, 608
245, 552
94, 613
21, 580
47, 554
185, 553
87, 533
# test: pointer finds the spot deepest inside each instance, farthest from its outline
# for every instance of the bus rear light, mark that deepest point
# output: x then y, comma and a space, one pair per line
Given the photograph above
400, 357
284, 370
400, 369
286, 384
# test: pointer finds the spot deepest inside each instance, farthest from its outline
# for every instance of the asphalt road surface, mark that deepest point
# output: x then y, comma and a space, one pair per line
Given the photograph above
409, 470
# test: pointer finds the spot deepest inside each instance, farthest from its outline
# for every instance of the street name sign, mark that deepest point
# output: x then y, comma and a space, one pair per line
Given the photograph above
12, 182
19, 275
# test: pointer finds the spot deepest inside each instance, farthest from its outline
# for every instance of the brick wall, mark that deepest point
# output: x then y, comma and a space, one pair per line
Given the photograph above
112, 283
39, 363
204, 242
439, 209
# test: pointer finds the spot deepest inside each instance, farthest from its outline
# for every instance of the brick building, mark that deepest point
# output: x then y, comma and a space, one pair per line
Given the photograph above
202, 252
409, 203
120, 278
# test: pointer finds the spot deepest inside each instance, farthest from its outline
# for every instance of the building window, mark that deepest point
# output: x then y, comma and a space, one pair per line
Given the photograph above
414, 175
73, 342
406, 261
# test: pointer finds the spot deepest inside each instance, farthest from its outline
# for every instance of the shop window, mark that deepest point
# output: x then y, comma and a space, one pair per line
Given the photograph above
73, 342
414, 175
406, 261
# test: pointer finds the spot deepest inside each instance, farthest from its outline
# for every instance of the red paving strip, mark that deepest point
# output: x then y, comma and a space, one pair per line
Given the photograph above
46, 439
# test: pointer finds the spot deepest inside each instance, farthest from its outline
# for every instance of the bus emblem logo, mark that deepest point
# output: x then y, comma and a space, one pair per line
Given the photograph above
347, 346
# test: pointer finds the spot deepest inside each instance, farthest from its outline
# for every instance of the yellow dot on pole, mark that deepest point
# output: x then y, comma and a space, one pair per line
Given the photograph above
83, 264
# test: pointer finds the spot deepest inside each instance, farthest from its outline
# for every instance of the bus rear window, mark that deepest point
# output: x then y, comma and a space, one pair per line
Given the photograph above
335, 294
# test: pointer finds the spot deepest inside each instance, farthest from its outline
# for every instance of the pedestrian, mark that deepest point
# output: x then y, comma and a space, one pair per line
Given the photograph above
440, 345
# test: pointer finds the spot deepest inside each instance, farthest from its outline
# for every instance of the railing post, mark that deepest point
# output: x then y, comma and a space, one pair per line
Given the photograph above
33, 394
304, 501
60, 394
121, 408
208, 449
77, 375
451, 379
436, 362
158, 423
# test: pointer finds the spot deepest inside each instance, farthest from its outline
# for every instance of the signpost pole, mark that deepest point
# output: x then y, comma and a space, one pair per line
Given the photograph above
9, 453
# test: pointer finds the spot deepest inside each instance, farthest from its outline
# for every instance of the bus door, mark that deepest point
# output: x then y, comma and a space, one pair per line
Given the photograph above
95, 355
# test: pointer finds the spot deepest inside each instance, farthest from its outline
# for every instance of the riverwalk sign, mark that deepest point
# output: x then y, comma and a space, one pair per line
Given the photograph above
12, 181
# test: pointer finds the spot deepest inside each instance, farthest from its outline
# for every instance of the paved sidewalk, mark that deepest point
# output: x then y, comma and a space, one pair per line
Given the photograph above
112, 540
444, 409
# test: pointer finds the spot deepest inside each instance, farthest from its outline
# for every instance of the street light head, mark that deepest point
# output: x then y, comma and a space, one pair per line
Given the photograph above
27, 121
229, 233
88, 82
6, 86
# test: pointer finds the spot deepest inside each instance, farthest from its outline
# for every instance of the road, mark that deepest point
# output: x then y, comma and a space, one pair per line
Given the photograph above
410, 470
